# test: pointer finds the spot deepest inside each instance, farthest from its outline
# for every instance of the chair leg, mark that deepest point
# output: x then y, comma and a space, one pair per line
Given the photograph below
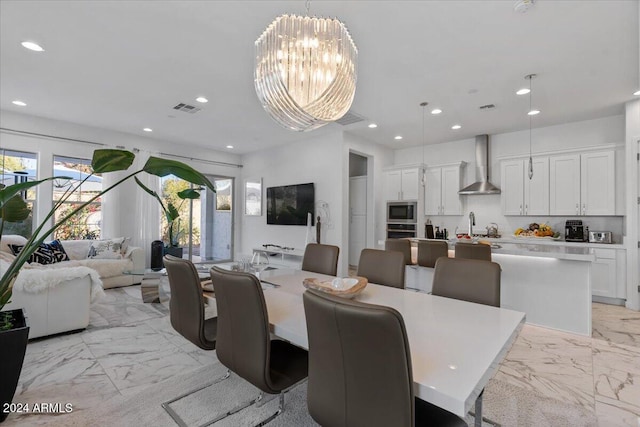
234, 410
278, 412
166, 405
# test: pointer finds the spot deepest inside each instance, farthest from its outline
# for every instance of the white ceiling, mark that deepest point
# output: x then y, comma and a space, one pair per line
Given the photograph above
123, 65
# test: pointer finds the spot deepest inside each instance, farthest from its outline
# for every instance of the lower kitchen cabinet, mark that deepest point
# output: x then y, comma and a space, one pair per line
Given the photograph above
608, 275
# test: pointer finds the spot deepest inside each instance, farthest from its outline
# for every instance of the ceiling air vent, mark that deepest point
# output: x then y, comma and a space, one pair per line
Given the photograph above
487, 107
186, 108
349, 118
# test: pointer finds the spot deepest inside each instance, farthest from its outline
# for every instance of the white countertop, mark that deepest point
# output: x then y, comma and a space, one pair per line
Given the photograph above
545, 248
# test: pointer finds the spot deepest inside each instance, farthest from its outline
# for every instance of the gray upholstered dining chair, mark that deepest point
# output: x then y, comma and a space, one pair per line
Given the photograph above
244, 344
430, 250
321, 259
400, 245
353, 381
468, 280
473, 251
382, 267
186, 313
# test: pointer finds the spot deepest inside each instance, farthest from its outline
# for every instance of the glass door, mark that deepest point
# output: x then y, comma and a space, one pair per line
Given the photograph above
215, 222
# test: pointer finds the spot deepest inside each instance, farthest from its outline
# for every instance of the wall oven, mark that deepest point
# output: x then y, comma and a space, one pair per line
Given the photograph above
402, 212
401, 231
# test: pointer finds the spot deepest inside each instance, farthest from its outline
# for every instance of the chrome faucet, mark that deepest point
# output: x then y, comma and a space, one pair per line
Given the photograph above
472, 222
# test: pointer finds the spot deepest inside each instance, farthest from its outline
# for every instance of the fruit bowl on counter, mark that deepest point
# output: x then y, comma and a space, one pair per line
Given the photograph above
537, 231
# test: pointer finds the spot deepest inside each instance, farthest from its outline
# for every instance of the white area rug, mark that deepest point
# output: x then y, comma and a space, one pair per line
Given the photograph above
503, 403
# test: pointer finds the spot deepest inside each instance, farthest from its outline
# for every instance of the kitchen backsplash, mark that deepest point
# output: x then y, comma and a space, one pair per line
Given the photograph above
488, 209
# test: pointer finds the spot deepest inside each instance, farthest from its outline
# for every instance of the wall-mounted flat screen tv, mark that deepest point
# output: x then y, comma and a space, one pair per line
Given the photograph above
290, 204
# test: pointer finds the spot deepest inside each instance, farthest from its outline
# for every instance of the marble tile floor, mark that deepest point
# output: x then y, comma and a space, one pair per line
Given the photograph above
130, 346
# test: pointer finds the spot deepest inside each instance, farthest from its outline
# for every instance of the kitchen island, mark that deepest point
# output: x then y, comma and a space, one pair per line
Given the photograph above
550, 283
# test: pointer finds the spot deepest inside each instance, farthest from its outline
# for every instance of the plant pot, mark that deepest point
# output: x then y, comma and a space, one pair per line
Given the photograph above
13, 345
174, 251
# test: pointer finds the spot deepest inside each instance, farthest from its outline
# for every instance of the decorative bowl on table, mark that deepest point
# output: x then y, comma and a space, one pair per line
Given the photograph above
347, 287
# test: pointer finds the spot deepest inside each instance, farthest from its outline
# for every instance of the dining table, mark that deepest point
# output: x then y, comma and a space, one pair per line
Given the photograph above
456, 346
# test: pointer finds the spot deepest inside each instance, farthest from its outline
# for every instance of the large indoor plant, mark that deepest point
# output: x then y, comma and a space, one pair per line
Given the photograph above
172, 215
13, 208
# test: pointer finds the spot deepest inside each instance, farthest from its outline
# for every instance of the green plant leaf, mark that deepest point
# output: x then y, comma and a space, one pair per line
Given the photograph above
189, 193
15, 209
172, 213
111, 160
10, 191
163, 167
145, 188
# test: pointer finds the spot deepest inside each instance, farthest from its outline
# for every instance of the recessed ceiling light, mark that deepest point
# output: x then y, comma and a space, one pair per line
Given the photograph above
32, 46
523, 91
202, 99
19, 103
637, 93
397, 138
456, 127
533, 112
373, 125
147, 130
229, 146
436, 111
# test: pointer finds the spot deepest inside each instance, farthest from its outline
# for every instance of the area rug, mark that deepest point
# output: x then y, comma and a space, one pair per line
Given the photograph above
504, 403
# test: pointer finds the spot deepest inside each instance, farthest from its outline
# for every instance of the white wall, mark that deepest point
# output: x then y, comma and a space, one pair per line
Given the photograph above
314, 160
487, 208
632, 133
127, 211
323, 160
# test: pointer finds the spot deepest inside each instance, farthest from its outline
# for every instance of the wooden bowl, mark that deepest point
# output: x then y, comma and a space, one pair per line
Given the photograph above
347, 287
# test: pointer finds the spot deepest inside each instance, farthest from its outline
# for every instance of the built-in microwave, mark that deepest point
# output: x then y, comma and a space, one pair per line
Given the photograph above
402, 212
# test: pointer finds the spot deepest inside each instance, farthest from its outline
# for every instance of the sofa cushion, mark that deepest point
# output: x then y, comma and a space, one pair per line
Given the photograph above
46, 253
11, 239
107, 249
77, 249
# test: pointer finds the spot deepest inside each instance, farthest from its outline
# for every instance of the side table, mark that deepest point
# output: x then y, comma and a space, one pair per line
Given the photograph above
150, 288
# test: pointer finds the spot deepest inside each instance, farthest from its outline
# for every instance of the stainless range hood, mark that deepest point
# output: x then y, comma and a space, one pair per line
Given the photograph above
482, 184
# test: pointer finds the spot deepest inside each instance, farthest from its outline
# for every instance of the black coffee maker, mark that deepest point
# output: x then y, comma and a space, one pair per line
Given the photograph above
574, 231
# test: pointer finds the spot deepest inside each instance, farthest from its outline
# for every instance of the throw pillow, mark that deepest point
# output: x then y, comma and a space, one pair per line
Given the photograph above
11, 239
106, 249
46, 253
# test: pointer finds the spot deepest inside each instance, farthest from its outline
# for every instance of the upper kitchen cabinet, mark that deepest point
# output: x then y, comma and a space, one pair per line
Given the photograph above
402, 184
521, 195
442, 184
582, 184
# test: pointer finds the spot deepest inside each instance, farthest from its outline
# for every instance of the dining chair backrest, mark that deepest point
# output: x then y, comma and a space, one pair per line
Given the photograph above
400, 245
473, 251
243, 342
430, 250
321, 259
359, 363
468, 280
186, 306
382, 267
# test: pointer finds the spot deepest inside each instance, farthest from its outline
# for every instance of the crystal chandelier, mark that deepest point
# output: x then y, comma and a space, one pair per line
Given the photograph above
305, 71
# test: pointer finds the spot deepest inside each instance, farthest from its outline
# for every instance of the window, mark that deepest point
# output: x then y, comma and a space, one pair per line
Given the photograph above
86, 223
16, 167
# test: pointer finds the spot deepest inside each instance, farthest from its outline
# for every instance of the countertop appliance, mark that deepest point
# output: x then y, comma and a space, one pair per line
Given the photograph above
600, 237
574, 231
402, 212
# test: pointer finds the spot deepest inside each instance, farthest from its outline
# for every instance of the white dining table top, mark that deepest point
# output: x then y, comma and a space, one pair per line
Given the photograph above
456, 346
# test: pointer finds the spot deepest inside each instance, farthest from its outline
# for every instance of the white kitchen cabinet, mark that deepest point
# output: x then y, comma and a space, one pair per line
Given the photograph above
582, 184
401, 184
521, 195
441, 190
597, 183
608, 274
604, 273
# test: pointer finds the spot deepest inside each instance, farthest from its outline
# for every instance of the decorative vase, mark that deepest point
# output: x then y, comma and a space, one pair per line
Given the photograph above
13, 345
174, 251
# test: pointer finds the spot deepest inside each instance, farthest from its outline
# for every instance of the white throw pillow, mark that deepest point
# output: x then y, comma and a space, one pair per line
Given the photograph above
107, 249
